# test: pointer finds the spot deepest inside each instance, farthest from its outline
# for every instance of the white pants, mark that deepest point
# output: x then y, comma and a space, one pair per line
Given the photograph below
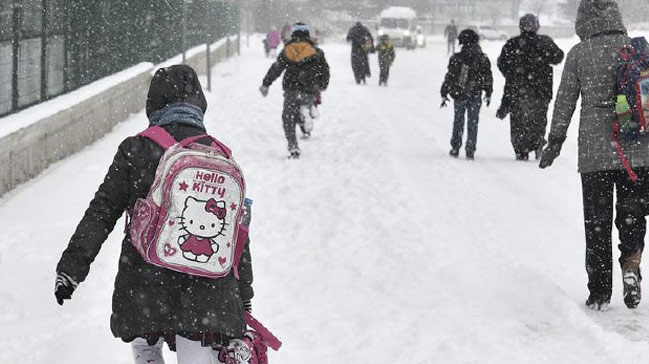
187, 352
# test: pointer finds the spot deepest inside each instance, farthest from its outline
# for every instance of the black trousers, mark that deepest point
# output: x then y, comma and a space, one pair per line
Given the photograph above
292, 114
529, 120
385, 73
631, 209
360, 65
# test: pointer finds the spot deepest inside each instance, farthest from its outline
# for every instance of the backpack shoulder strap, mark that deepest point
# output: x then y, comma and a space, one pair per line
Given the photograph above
159, 136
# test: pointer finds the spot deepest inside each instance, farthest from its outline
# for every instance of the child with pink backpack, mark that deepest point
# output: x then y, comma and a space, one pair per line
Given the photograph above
185, 270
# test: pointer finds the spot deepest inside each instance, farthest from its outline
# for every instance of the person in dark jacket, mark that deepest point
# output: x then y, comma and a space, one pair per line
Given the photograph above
307, 74
469, 75
526, 62
451, 37
152, 304
590, 72
362, 43
386, 58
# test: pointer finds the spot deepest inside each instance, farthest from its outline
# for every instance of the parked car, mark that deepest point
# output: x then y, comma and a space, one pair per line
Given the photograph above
487, 32
420, 37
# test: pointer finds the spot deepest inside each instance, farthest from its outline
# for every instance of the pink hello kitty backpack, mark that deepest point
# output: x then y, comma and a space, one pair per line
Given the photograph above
190, 221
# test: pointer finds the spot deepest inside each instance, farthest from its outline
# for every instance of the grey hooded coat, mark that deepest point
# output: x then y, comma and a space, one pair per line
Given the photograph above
590, 72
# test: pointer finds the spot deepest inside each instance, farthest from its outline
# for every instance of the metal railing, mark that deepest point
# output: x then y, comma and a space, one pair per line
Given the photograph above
50, 47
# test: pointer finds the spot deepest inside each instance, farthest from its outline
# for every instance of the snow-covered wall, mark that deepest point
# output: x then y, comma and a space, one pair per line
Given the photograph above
36, 137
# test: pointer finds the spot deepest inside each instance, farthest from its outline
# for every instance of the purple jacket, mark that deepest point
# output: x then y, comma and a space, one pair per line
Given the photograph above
273, 39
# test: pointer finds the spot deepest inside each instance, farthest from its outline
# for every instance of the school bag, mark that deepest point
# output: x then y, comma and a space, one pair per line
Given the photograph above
190, 221
461, 84
632, 104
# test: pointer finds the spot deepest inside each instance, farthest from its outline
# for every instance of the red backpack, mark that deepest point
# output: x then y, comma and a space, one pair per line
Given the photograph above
632, 106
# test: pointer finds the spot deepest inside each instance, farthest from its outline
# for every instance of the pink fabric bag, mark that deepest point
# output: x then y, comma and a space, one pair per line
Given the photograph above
252, 348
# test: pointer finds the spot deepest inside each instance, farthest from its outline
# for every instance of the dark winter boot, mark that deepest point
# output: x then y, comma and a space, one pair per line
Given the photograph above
522, 156
470, 156
294, 153
538, 153
632, 291
597, 303
454, 153
632, 278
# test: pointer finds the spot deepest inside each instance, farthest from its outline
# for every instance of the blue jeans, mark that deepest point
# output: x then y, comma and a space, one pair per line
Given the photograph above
470, 107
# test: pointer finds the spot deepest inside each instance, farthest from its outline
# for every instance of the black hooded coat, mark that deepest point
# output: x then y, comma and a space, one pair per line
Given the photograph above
148, 300
362, 42
526, 62
478, 76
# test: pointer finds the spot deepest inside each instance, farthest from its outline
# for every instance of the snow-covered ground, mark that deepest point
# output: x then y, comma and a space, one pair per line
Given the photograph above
375, 247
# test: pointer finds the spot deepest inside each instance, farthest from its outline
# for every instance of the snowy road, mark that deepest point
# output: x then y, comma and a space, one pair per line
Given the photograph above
374, 247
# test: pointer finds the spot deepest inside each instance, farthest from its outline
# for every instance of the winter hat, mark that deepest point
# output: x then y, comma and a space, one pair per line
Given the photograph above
170, 85
596, 17
468, 36
529, 23
300, 30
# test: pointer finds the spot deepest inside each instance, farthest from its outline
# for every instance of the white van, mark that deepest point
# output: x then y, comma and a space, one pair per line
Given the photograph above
398, 22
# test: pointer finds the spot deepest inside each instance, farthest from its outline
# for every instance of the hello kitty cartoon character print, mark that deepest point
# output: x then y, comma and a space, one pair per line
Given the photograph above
204, 222
190, 220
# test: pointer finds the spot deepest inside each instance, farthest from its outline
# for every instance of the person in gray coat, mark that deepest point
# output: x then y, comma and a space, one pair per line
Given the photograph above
590, 72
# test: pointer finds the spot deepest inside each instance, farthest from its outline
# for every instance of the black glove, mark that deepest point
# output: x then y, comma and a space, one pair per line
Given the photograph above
247, 305
64, 287
549, 155
444, 101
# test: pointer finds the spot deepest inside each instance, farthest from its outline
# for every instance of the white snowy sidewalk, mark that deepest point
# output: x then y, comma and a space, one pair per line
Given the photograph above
375, 247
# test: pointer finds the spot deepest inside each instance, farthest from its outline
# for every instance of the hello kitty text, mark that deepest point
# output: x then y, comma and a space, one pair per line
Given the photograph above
206, 183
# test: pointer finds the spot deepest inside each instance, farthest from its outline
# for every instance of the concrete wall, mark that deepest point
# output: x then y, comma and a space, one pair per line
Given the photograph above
27, 152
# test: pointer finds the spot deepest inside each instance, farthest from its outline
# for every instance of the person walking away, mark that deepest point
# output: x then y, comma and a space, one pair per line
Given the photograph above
307, 74
150, 303
526, 63
274, 39
362, 41
451, 36
590, 72
469, 75
386, 58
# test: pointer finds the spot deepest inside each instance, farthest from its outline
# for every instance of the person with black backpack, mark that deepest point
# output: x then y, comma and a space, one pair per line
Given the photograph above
152, 304
590, 72
307, 74
469, 75
526, 62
